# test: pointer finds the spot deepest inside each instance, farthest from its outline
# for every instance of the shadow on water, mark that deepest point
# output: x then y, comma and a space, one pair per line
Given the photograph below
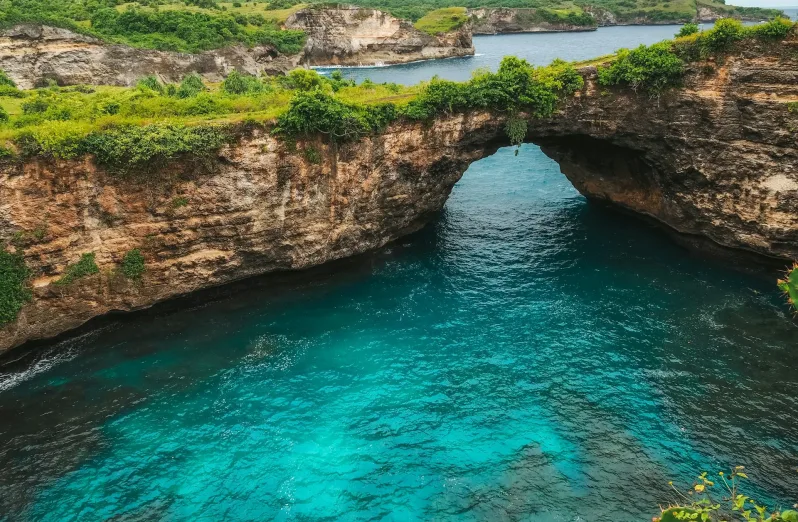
527, 355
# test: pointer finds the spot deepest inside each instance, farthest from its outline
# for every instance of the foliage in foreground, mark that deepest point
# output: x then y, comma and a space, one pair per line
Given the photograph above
790, 286
702, 504
14, 291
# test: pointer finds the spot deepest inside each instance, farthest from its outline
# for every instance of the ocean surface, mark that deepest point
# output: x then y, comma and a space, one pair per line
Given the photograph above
526, 357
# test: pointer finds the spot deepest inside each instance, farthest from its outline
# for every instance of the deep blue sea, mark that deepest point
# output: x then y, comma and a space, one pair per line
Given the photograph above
526, 357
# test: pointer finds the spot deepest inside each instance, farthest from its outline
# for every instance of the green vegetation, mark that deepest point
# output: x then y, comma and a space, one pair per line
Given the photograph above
144, 148
85, 267
133, 265
313, 113
567, 16
7, 86
516, 87
574, 11
5, 81
790, 286
14, 291
702, 504
167, 26
237, 83
657, 67
142, 129
687, 30
442, 20
197, 25
652, 68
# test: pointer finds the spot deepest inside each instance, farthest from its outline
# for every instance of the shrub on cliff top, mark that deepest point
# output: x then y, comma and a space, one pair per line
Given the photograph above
190, 86
723, 35
130, 147
85, 267
776, 29
687, 30
237, 83
313, 113
516, 86
651, 68
14, 291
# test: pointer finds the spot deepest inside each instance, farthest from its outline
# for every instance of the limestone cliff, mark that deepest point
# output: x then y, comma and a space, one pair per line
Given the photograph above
503, 20
715, 160
33, 54
359, 36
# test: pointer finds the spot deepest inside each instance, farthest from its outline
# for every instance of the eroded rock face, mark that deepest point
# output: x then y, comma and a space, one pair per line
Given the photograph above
33, 54
358, 36
503, 20
717, 159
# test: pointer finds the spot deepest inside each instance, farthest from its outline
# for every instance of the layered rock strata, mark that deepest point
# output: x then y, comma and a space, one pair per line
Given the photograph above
358, 36
716, 159
33, 55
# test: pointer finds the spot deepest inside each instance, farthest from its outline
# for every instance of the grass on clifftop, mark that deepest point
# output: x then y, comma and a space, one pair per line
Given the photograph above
148, 125
193, 26
442, 20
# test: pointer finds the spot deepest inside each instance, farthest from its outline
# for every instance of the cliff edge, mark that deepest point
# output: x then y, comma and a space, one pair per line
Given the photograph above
351, 35
713, 161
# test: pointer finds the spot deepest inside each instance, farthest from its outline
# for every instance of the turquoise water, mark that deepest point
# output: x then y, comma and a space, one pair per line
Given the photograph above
527, 356
539, 49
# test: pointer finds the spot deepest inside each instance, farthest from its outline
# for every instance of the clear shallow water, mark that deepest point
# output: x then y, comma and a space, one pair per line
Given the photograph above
525, 357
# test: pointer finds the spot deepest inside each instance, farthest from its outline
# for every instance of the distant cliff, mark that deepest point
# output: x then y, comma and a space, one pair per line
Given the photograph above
501, 20
349, 35
32, 55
